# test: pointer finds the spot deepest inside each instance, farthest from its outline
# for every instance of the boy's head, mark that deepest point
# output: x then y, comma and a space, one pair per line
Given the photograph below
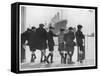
79, 27
51, 28
41, 25
70, 29
62, 30
34, 28
28, 29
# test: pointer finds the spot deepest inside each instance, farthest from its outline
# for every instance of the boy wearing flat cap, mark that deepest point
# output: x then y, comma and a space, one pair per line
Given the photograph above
32, 43
79, 38
69, 43
61, 44
42, 41
50, 44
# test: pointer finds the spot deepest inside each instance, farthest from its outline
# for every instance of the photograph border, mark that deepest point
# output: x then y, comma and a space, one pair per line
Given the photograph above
15, 26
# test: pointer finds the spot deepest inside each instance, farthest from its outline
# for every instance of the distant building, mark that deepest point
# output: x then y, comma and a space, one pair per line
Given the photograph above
91, 35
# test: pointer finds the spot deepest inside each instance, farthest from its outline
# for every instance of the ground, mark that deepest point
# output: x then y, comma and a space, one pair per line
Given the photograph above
89, 61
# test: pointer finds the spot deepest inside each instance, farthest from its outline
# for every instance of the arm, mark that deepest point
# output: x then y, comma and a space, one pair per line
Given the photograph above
65, 36
79, 35
55, 35
83, 37
73, 36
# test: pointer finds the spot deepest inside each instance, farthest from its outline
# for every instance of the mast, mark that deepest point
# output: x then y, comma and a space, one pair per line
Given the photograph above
61, 14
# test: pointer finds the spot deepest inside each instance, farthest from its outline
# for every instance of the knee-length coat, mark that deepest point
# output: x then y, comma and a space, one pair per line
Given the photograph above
32, 41
41, 35
69, 40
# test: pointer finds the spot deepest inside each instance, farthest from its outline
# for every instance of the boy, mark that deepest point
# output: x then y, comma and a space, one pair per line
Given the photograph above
41, 44
50, 44
32, 43
79, 38
69, 43
61, 44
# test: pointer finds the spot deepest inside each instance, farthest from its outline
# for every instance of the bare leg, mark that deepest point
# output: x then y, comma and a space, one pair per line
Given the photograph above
41, 56
44, 53
51, 57
78, 49
65, 57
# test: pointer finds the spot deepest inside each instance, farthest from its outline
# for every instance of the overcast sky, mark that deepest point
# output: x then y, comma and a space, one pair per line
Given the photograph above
39, 14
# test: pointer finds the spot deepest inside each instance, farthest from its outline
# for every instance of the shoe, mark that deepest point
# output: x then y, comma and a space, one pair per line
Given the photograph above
41, 61
51, 61
32, 60
81, 61
48, 62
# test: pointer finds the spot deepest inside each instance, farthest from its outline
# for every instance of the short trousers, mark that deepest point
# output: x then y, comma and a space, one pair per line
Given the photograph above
61, 47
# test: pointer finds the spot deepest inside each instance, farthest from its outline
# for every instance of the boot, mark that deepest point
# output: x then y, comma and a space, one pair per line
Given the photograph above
48, 58
65, 58
68, 61
51, 58
81, 61
71, 60
34, 56
41, 58
32, 60
61, 60
45, 59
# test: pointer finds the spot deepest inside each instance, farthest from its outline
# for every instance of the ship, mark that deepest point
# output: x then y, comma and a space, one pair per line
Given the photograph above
58, 22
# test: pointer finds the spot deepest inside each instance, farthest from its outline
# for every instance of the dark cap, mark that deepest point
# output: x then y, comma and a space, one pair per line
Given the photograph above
51, 27
28, 29
70, 28
79, 26
41, 25
33, 27
62, 29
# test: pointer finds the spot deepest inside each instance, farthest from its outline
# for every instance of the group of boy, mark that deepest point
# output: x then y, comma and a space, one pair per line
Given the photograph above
41, 39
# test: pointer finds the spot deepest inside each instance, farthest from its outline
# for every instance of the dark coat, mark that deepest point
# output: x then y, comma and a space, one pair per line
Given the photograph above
79, 37
24, 37
69, 37
50, 38
32, 40
41, 38
69, 40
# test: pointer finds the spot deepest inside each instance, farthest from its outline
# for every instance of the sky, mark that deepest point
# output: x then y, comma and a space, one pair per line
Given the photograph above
40, 14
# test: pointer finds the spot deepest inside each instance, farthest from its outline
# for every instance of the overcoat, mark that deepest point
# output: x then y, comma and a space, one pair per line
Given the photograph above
23, 40
69, 41
51, 40
79, 37
32, 41
41, 34
69, 37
